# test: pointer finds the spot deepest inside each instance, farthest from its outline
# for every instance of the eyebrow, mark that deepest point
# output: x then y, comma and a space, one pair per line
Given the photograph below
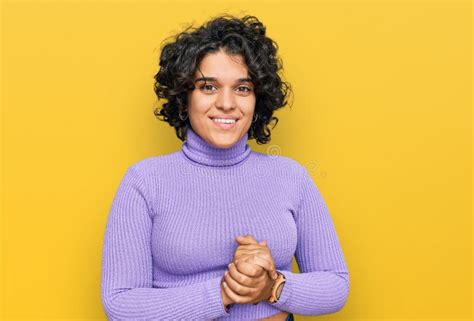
240, 80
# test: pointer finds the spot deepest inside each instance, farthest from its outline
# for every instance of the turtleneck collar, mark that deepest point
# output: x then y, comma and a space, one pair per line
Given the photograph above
200, 151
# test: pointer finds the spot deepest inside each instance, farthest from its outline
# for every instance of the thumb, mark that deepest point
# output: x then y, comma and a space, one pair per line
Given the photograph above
247, 239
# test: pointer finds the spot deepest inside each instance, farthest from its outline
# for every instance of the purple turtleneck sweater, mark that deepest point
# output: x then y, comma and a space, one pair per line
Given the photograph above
171, 229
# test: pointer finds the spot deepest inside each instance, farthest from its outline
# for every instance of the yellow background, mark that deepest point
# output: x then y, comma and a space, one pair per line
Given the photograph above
381, 116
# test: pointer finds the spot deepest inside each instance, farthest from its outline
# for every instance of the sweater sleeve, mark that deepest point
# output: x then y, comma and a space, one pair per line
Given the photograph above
322, 286
126, 281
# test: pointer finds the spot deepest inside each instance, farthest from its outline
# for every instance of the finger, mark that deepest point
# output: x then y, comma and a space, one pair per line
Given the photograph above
252, 247
242, 278
245, 254
246, 257
235, 286
249, 269
252, 250
232, 295
242, 252
247, 239
267, 265
258, 260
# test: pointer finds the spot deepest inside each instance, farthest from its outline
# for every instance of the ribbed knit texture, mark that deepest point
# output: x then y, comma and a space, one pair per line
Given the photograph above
171, 229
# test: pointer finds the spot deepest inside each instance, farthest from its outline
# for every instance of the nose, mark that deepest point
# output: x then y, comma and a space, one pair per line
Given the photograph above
225, 99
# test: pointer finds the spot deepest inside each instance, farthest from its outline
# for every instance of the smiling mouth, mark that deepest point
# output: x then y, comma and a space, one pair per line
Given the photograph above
224, 125
235, 120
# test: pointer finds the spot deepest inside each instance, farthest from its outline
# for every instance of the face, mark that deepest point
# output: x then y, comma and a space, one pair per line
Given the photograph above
222, 90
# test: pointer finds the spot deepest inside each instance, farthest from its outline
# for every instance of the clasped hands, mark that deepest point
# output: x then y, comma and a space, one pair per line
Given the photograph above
251, 274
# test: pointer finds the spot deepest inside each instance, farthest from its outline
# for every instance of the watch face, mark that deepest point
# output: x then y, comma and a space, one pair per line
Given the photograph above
278, 284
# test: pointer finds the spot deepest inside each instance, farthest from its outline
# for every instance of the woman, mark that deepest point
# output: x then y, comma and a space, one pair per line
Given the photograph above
209, 231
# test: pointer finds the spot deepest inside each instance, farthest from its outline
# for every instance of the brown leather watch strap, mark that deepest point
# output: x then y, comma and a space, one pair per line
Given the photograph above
278, 282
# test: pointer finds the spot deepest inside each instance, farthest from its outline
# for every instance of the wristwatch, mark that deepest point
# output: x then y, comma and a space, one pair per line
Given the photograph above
276, 291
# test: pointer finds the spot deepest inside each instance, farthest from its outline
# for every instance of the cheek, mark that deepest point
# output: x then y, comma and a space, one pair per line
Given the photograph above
247, 105
199, 103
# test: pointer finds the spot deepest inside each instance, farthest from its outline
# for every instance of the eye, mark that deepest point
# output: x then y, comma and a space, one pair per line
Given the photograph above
207, 87
246, 89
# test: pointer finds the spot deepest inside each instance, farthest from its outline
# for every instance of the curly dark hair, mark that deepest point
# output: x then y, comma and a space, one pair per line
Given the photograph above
180, 59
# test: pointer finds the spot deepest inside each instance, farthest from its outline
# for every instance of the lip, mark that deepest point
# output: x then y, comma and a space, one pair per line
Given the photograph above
225, 117
222, 125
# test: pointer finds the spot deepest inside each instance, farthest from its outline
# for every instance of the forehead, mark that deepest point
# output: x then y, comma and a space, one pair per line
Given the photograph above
222, 66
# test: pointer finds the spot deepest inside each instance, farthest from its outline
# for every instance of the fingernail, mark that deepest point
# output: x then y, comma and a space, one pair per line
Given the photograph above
226, 273
224, 284
230, 264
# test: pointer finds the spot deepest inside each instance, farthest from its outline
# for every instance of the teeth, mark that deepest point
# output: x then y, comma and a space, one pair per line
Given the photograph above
225, 121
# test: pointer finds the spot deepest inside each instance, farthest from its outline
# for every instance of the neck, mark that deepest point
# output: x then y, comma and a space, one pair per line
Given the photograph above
200, 151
